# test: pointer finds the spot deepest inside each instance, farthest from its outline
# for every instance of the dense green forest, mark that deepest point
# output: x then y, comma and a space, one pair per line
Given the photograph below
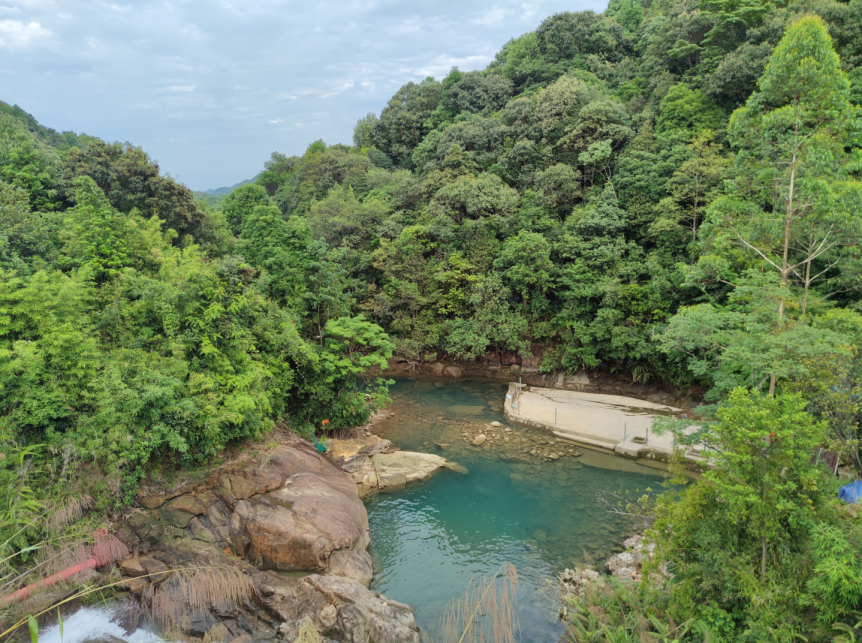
668, 190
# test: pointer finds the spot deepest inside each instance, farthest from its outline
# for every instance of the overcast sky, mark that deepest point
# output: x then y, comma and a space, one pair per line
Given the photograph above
210, 89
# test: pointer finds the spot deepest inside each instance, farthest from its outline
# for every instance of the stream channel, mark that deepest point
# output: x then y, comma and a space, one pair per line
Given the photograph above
429, 539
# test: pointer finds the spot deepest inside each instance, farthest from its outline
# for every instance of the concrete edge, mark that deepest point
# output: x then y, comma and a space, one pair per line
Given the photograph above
625, 449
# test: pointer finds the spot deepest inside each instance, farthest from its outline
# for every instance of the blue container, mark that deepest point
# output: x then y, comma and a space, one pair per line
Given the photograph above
851, 493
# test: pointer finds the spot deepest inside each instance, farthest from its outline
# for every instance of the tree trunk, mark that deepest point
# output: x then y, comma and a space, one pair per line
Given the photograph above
788, 219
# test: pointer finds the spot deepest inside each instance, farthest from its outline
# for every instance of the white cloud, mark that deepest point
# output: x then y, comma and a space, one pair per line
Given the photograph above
17, 33
494, 16
441, 65
276, 121
348, 84
181, 88
115, 7
528, 12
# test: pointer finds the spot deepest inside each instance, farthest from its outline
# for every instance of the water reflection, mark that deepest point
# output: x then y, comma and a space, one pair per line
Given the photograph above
428, 540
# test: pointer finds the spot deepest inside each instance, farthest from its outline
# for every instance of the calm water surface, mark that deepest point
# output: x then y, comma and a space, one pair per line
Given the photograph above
429, 539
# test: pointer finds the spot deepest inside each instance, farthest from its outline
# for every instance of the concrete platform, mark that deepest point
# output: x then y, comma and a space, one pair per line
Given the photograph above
609, 422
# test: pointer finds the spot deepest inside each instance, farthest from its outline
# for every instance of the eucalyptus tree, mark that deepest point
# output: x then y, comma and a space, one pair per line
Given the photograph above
795, 204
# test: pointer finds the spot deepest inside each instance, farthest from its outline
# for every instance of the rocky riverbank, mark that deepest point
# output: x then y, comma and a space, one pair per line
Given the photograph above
509, 366
292, 522
625, 566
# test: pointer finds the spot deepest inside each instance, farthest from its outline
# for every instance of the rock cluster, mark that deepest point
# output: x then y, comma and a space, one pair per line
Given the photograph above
339, 608
576, 581
525, 446
625, 566
297, 511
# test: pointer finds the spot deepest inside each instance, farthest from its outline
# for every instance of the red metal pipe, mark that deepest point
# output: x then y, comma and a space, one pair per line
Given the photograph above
24, 592
106, 550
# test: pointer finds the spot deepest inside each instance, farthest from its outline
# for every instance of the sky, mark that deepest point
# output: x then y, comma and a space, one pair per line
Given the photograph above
210, 89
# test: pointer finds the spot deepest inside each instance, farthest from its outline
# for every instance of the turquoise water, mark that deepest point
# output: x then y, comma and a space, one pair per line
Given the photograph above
429, 539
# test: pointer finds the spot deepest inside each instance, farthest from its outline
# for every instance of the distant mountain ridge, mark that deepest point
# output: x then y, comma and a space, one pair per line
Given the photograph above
59, 140
228, 190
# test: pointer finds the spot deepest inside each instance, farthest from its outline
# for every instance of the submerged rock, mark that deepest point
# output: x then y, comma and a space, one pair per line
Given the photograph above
479, 440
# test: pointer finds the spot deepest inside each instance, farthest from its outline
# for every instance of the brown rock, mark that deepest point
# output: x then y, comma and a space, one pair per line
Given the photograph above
200, 532
238, 486
132, 567
296, 533
147, 525
354, 564
134, 585
453, 371
225, 496
328, 616
179, 511
150, 502
156, 570
436, 369
206, 497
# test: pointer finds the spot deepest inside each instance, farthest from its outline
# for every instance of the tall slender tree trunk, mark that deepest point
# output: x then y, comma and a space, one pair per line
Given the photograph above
788, 220
785, 258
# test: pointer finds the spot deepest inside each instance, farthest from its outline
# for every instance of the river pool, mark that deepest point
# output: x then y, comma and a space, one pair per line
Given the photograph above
429, 539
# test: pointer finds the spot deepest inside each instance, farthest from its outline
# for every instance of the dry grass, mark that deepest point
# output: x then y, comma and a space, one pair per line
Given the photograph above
62, 515
307, 633
108, 548
486, 613
192, 591
218, 633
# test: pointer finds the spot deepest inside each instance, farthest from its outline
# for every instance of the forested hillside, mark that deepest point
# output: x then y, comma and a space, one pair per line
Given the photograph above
558, 196
133, 330
668, 191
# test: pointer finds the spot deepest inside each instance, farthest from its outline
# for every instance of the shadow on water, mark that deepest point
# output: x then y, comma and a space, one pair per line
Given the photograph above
429, 539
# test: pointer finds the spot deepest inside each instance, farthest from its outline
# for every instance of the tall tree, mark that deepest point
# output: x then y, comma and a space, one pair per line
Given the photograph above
795, 203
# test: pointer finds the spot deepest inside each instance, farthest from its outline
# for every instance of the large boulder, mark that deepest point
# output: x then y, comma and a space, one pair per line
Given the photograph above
402, 467
294, 511
289, 512
298, 526
374, 468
